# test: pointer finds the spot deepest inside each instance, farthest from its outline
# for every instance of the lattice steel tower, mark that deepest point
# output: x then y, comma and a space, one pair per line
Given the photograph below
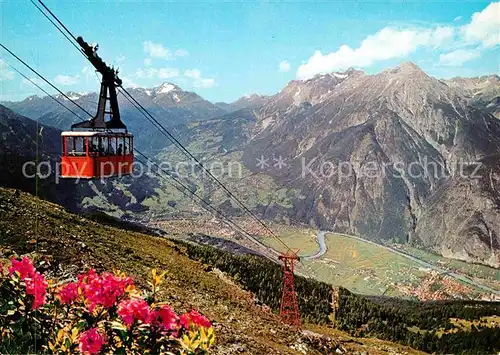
289, 310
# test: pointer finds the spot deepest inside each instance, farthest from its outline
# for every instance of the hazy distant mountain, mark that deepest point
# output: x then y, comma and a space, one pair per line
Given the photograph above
188, 105
484, 88
168, 103
482, 91
252, 101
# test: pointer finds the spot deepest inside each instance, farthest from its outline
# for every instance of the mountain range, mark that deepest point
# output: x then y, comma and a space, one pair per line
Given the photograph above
168, 102
402, 139
398, 156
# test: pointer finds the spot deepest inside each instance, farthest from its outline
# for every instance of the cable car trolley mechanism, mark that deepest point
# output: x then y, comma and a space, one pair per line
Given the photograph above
98, 148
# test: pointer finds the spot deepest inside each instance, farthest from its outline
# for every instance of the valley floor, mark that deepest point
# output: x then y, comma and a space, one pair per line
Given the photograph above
364, 266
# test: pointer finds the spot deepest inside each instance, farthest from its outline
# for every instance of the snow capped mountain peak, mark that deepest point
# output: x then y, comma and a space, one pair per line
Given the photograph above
72, 95
32, 97
251, 97
340, 76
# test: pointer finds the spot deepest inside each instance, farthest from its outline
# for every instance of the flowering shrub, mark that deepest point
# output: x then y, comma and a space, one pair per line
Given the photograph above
97, 314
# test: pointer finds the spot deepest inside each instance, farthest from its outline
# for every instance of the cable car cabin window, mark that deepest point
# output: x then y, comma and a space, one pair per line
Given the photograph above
111, 146
93, 145
76, 146
103, 145
120, 147
126, 146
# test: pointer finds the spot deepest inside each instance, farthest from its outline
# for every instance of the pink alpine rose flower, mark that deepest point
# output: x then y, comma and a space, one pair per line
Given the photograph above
134, 309
91, 342
37, 287
68, 293
23, 267
165, 318
194, 318
104, 290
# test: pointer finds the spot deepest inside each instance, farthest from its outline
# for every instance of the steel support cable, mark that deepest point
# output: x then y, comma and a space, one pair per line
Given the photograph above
208, 207
41, 77
55, 17
181, 147
58, 28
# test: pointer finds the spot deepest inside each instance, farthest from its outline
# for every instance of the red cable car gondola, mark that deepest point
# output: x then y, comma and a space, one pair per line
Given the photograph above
93, 154
98, 148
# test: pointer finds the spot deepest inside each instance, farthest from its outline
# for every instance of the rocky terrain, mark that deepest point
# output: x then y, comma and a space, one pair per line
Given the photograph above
461, 219
482, 91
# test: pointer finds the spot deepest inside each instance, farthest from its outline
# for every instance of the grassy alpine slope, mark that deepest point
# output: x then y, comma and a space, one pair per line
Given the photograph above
70, 242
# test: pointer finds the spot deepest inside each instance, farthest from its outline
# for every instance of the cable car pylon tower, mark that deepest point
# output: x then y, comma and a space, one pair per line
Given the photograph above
289, 308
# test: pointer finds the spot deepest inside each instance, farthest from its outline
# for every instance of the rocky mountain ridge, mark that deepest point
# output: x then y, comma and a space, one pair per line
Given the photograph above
415, 131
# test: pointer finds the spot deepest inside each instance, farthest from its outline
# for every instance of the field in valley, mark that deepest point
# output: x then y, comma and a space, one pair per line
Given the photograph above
357, 265
371, 269
480, 273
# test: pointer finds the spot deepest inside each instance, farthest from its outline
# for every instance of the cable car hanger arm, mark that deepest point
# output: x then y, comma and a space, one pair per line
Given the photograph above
109, 82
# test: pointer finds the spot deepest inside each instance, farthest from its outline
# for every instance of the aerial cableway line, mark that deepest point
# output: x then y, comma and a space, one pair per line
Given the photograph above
184, 150
160, 172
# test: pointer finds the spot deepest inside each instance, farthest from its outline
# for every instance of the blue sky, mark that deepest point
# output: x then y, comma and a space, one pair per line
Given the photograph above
223, 50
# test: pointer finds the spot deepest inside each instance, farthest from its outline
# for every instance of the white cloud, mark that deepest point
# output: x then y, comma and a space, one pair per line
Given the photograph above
484, 26
458, 57
458, 18
5, 73
162, 73
156, 50
148, 61
181, 53
440, 35
27, 83
66, 80
385, 44
198, 80
88, 72
284, 66
166, 73
121, 58
128, 83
